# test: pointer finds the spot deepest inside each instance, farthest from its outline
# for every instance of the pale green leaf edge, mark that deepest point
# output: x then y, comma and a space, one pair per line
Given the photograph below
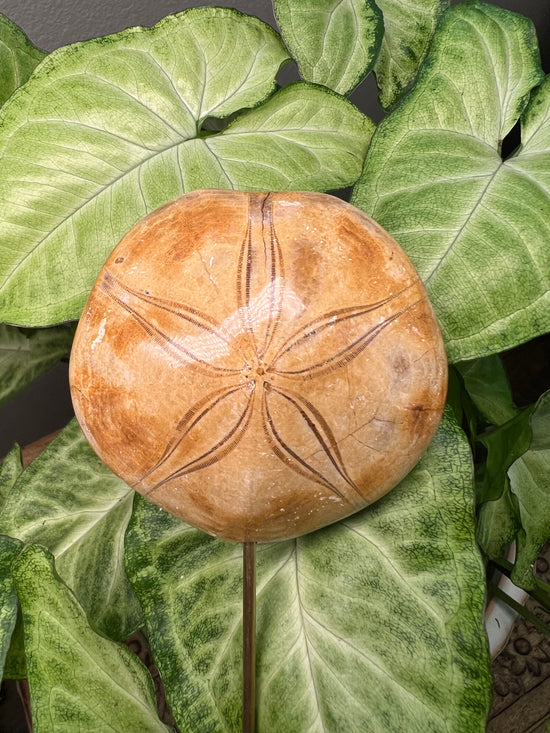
23, 57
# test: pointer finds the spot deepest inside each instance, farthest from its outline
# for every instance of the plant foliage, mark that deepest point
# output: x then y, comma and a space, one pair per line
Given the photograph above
477, 81
406, 574
334, 43
375, 623
109, 129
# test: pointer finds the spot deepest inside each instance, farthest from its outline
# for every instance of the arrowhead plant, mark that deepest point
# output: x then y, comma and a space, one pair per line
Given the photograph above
374, 623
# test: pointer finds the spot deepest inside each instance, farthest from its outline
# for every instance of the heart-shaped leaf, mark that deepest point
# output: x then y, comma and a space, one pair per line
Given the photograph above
81, 518
9, 549
78, 679
334, 43
476, 227
25, 355
408, 29
375, 621
110, 129
18, 58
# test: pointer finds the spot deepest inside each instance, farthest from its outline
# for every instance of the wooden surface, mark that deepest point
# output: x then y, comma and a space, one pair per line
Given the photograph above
30, 452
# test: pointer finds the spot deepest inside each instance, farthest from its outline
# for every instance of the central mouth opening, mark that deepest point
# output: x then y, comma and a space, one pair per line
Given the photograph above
255, 372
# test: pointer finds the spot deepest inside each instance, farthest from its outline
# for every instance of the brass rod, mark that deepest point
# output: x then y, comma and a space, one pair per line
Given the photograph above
249, 637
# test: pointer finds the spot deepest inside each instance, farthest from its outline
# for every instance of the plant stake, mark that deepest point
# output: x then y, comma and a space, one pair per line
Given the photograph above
249, 637
283, 354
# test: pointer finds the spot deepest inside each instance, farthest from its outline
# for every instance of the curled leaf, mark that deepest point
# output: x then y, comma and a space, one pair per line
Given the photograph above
408, 29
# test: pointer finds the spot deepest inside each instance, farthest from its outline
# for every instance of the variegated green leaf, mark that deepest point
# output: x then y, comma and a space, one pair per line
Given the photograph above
109, 129
334, 43
476, 227
78, 679
70, 502
372, 624
408, 29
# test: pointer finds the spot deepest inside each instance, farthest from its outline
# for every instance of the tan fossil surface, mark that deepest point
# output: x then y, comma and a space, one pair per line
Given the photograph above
259, 364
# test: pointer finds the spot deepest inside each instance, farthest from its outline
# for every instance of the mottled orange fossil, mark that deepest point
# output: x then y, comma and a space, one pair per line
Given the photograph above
259, 364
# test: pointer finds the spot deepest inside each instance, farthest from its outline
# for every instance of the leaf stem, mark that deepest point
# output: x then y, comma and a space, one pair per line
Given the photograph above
249, 637
529, 616
540, 592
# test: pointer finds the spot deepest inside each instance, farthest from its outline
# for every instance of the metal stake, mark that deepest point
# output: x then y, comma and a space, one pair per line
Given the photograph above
249, 637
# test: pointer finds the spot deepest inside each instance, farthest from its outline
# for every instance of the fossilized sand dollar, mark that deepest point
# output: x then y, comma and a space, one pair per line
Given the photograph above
259, 365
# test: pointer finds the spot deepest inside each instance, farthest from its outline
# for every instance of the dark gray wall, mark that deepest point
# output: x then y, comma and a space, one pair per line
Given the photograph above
45, 405
53, 23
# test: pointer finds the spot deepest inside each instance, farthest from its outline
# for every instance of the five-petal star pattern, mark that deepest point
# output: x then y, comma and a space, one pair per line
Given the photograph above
258, 364
259, 369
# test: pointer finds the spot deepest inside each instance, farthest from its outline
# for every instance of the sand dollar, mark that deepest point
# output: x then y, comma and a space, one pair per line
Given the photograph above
259, 364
